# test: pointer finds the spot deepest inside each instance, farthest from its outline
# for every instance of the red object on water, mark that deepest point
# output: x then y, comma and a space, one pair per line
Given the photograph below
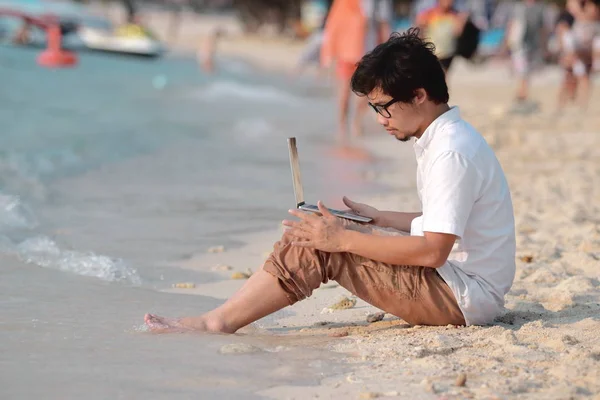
55, 56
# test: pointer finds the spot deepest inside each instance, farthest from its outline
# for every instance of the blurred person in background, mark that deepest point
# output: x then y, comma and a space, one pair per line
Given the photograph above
481, 12
568, 89
581, 44
135, 27
208, 48
502, 14
353, 28
312, 50
443, 24
22, 36
526, 38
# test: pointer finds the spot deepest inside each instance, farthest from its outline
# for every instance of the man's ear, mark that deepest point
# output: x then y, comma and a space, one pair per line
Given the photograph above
420, 97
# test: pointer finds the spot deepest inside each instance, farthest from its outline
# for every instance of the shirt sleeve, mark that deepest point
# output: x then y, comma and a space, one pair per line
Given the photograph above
451, 188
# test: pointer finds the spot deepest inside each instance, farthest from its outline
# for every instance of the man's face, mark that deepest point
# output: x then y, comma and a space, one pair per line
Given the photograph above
404, 118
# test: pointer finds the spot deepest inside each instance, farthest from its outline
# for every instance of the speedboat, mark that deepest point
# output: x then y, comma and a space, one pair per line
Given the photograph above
80, 30
130, 39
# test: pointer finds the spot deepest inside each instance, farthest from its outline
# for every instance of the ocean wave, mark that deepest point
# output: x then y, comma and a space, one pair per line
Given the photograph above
230, 89
14, 214
235, 67
253, 128
44, 252
15, 177
18, 220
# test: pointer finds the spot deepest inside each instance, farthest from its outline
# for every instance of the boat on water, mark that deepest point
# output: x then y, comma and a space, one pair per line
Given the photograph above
81, 30
130, 39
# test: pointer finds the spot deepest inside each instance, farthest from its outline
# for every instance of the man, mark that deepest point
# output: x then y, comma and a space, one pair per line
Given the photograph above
458, 261
22, 36
352, 28
568, 88
207, 52
312, 49
527, 39
581, 45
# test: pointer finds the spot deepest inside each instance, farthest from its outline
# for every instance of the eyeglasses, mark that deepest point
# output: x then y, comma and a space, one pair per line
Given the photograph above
383, 109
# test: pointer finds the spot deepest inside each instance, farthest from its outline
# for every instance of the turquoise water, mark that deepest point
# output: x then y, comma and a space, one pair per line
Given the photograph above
108, 173
124, 154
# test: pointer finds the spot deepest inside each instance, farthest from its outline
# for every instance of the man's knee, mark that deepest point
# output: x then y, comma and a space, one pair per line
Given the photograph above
286, 237
299, 269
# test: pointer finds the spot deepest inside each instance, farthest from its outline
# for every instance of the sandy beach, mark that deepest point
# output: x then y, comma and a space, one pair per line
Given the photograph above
546, 345
186, 36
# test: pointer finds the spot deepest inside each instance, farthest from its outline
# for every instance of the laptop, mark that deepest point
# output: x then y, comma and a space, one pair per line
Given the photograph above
299, 192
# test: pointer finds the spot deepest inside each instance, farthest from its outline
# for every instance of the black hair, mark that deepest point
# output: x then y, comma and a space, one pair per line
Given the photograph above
400, 66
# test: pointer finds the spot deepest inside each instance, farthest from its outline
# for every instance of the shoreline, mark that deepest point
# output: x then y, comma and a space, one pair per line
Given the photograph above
546, 344
270, 53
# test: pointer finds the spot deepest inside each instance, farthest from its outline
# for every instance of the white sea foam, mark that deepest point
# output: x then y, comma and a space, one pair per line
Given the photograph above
230, 89
15, 214
44, 252
252, 128
16, 177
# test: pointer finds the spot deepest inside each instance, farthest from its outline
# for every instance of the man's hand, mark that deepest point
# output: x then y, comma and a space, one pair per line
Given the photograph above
324, 232
363, 210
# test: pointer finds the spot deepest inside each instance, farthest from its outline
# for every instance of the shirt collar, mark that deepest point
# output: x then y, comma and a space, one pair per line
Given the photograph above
421, 144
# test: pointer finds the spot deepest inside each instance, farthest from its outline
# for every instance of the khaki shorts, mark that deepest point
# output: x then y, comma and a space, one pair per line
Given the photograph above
416, 294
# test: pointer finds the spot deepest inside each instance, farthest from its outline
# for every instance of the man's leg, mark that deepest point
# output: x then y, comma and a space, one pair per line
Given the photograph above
416, 294
582, 69
260, 296
343, 106
521, 67
596, 54
523, 88
362, 104
568, 88
586, 89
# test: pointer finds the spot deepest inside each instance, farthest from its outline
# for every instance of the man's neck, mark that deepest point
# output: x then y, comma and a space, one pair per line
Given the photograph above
433, 114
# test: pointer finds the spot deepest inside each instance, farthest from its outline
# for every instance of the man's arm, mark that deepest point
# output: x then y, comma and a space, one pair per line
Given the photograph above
384, 219
431, 250
545, 36
397, 220
452, 187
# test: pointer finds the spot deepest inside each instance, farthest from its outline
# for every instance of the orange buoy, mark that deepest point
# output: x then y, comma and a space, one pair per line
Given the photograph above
55, 56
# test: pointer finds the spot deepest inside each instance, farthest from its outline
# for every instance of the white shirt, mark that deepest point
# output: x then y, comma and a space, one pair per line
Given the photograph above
464, 192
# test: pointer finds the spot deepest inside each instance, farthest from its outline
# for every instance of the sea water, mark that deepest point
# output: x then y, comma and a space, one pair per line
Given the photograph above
112, 170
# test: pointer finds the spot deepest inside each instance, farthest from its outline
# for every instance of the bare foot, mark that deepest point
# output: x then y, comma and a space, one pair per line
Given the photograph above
158, 324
